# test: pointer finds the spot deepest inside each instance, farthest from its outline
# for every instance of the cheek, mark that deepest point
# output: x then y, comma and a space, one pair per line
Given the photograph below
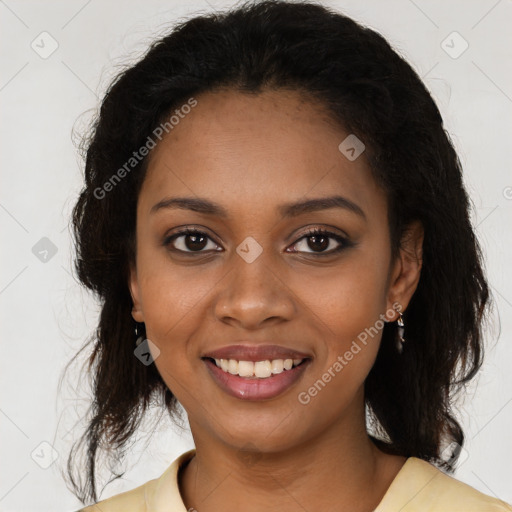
347, 306
171, 301
348, 299
169, 293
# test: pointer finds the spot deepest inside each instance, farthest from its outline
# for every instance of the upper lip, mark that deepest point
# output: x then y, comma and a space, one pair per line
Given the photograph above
256, 353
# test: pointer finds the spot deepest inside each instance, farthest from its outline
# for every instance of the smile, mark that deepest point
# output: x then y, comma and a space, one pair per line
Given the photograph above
260, 380
258, 369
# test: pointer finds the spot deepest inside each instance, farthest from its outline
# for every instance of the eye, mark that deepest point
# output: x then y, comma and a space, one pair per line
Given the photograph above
319, 240
190, 241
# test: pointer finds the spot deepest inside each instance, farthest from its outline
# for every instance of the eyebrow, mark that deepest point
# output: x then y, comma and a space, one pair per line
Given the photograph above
208, 207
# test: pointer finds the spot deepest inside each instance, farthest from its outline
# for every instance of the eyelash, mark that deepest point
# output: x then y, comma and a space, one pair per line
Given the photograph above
344, 242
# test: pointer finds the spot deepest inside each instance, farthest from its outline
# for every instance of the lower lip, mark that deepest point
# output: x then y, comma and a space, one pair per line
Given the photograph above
256, 388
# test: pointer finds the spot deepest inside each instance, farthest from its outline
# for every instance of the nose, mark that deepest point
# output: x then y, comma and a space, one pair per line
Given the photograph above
254, 294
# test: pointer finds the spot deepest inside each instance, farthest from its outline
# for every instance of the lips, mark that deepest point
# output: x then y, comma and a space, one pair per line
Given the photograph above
253, 388
256, 353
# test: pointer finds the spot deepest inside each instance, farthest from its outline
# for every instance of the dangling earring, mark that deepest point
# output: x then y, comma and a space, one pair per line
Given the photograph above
400, 332
139, 337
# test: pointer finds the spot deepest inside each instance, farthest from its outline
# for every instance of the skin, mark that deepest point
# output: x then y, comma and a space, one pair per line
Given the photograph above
251, 154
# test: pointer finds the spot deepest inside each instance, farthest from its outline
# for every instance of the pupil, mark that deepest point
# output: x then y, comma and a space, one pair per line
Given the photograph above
195, 243
323, 245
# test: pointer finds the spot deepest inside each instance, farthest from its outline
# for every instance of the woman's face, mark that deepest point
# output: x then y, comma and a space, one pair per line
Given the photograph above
255, 276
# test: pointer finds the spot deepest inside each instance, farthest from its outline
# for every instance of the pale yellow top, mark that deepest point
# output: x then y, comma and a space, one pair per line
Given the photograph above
418, 487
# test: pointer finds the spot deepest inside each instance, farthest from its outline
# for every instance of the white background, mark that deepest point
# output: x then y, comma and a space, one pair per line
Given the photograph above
46, 317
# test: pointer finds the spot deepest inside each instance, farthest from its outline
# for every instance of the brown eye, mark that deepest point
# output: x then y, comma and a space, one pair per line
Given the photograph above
189, 241
319, 240
318, 243
195, 242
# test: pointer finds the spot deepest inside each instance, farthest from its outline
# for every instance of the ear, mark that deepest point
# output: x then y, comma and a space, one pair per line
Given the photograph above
133, 284
406, 270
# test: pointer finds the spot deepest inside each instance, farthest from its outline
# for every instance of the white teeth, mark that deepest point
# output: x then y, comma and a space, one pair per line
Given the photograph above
259, 369
233, 367
245, 368
277, 366
262, 369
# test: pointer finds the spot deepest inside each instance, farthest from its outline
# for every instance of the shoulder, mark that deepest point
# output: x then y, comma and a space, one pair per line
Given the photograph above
422, 487
157, 495
132, 501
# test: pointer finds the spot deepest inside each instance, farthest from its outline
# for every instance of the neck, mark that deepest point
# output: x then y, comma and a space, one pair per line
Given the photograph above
340, 468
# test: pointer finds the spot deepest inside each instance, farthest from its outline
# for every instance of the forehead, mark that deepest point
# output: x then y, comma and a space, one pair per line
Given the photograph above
246, 150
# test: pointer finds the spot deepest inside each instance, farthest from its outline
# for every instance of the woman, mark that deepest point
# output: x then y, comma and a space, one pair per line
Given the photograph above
275, 223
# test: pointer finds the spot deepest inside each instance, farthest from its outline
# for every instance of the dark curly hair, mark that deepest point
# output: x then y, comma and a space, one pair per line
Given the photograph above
371, 91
